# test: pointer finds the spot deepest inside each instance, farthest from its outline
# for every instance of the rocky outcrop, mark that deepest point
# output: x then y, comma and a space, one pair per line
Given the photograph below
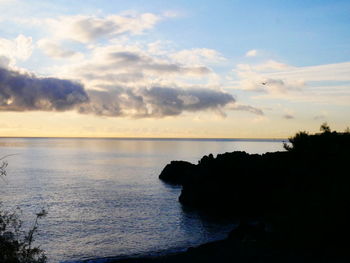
177, 172
232, 183
303, 193
293, 206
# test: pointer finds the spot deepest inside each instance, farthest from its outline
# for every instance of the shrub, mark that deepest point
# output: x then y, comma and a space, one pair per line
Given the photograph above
326, 142
16, 244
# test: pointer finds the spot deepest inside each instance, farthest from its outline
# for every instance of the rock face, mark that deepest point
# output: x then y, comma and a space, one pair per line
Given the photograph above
235, 184
177, 172
232, 183
303, 193
293, 206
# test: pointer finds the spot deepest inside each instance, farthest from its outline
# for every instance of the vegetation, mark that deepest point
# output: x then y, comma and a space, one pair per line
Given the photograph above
16, 245
326, 142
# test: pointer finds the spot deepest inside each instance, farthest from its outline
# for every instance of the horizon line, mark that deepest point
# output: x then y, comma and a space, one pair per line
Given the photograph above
140, 138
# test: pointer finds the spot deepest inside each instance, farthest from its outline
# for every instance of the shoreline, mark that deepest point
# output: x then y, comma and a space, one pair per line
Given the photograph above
162, 256
239, 251
152, 256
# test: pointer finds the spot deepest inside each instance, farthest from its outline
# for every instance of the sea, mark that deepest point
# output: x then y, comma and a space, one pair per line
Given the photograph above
103, 196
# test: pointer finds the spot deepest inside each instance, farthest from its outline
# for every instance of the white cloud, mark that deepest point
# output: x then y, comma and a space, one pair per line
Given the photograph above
131, 81
273, 76
55, 50
131, 66
277, 70
272, 66
322, 96
6, 2
19, 48
197, 56
4, 62
323, 84
124, 78
88, 28
160, 48
251, 53
328, 72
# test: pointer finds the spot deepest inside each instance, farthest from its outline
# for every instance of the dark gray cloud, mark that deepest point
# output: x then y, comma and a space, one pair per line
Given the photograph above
171, 101
126, 57
154, 101
25, 92
117, 102
248, 108
91, 28
288, 116
140, 62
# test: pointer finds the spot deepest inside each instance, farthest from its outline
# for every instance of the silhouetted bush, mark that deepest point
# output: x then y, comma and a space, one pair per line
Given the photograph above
326, 142
16, 244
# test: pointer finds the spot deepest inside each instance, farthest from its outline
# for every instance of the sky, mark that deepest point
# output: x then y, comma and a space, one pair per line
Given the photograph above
194, 69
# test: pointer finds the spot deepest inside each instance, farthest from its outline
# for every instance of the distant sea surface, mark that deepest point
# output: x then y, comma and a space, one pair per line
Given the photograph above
103, 196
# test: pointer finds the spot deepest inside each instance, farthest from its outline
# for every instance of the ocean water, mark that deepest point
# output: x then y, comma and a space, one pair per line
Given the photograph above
103, 196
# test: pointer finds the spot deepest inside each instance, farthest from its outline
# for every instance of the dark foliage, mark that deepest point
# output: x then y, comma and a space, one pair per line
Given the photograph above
16, 244
322, 144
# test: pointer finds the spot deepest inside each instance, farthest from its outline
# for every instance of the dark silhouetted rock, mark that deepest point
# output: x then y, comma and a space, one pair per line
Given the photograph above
293, 206
177, 172
302, 193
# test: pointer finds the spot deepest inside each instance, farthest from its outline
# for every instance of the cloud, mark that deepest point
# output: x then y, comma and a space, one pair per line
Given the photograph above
288, 116
328, 83
247, 108
272, 66
131, 66
4, 62
279, 71
19, 48
170, 101
118, 78
6, 2
24, 92
276, 86
160, 47
55, 50
143, 62
251, 53
89, 28
197, 56
154, 102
